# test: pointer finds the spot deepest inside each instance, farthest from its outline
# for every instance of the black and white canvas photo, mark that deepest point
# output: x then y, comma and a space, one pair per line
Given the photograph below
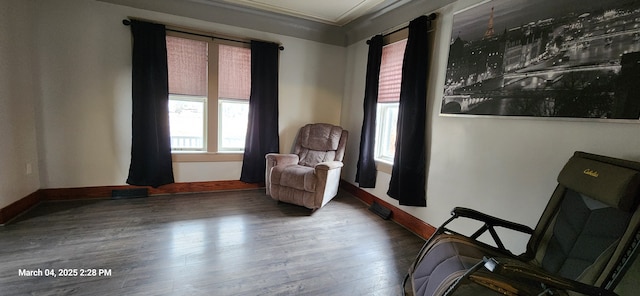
545, 58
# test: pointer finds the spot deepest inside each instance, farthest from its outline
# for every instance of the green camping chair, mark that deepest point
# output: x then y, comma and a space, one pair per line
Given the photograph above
582, 244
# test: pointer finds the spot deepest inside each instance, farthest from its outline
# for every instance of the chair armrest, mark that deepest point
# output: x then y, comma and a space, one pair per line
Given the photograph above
490, 220
329, 165
513, 268
283, 159
489, 223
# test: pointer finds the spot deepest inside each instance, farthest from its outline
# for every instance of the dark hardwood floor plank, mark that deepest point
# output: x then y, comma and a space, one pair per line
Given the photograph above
222, 243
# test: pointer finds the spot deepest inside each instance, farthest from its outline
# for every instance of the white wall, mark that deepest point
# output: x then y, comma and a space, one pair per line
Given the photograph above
84, 57
18, 152
503, 166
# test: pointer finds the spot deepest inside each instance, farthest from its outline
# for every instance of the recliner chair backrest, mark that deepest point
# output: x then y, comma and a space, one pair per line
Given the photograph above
320, 142
590, 220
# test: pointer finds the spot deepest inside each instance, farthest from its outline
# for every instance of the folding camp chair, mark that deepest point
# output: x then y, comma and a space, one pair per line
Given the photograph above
582, 244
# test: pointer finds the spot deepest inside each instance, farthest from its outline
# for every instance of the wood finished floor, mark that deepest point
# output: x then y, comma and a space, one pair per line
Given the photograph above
225, 243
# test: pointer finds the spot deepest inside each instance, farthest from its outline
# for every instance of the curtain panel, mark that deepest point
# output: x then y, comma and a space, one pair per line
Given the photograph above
262, 131
151, 163
366, 168
408, 176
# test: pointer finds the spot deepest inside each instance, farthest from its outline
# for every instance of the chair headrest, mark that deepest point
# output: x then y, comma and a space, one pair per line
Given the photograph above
615, 185
320, 136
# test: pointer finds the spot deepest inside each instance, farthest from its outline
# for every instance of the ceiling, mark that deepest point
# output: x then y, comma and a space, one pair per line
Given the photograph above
334, 12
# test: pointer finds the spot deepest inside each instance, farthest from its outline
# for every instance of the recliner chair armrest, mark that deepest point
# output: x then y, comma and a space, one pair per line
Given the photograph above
283, 159
490, 220
511, 268
329, 165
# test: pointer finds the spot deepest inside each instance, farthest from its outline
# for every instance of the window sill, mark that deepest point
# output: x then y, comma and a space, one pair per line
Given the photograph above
181, 156
384, 166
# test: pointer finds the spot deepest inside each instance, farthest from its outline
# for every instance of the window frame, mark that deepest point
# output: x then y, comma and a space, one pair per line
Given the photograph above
211, 153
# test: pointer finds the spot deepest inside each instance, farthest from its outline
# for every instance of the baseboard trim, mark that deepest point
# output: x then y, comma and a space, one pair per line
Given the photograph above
98, 192
408, 221
20, 206
186, 187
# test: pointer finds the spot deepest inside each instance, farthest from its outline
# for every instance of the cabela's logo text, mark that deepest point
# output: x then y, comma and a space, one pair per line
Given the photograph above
591, 173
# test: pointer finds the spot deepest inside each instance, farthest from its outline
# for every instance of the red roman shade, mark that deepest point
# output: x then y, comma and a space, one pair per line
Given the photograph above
234, 81
187, 65
391, 72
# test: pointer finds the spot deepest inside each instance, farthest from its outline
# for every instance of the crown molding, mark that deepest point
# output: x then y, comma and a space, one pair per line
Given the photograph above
389, 19
242, 17
343, 11
384, 17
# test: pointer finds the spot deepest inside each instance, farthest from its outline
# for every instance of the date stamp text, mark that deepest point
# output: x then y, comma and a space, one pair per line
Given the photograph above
65, 272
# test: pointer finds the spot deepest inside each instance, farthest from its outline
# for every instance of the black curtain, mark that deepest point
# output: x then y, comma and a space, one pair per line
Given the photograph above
366, 168
262, 132
408, 176
151, 143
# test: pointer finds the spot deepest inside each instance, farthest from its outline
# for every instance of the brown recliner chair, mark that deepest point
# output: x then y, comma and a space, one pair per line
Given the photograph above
310, 175
582, 244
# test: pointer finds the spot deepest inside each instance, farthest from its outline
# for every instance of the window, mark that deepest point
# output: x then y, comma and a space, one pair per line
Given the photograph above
187, 65
209, 87
388, 99
234, 88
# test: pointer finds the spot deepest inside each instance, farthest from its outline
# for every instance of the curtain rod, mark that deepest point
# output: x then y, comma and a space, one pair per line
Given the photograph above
430, 17
127, 22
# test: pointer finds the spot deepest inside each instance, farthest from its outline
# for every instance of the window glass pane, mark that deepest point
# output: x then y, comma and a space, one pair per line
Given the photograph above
234, 68
187, 66
234, 115
391, 71
187, 121
387, 118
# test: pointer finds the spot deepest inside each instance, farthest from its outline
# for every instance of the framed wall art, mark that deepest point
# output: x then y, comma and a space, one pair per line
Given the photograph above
545, 58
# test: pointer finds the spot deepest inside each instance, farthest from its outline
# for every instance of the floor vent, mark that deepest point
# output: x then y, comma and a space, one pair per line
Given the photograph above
380, 210
129, 193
